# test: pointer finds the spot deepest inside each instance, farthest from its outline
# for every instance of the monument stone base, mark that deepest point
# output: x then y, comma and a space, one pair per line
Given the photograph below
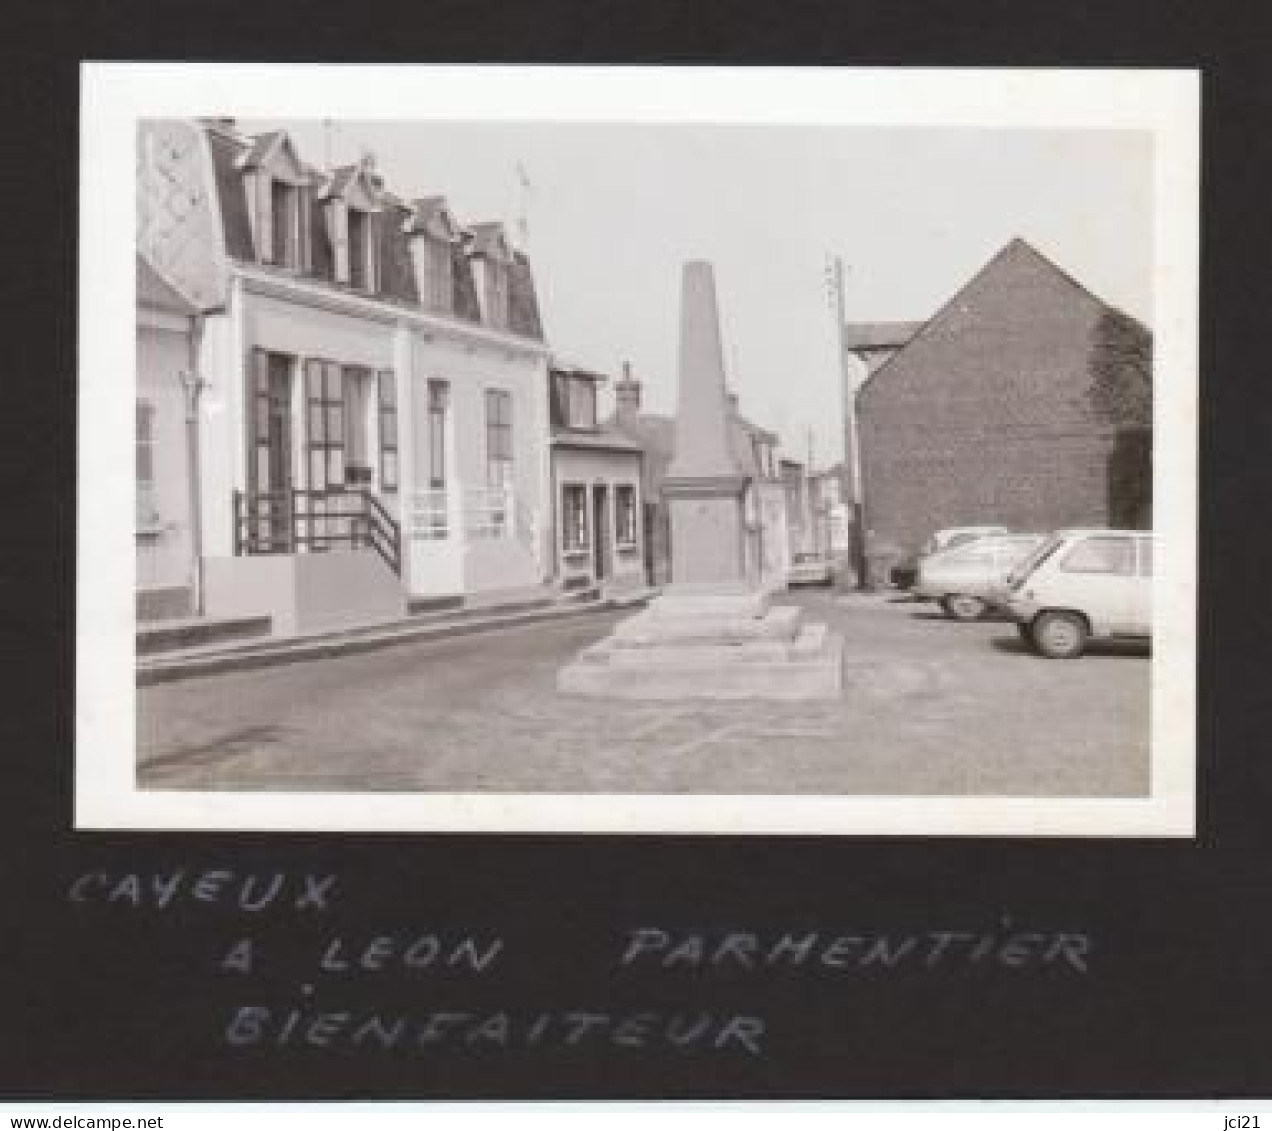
712, 643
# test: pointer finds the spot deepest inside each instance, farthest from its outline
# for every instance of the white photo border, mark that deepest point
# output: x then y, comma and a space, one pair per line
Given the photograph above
115, 96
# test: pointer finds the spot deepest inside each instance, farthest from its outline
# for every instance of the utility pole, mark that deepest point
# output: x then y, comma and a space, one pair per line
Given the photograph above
851, 478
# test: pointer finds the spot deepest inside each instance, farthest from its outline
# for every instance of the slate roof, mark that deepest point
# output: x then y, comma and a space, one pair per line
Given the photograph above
259, 146
1016, 254
155, 291
879, 335
605, 438
397, 282
523, 302
340, 180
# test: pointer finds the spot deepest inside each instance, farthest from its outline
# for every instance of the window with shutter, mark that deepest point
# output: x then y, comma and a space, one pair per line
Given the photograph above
574, 518
498, 438
438, 404
325, 426
147, 511
388, 418
625, 514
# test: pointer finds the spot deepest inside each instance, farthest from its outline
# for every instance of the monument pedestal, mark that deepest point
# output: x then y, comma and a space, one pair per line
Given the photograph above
701, 642
712, 634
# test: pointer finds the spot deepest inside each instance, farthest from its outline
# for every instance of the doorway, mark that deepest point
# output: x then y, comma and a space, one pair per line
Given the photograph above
601, 525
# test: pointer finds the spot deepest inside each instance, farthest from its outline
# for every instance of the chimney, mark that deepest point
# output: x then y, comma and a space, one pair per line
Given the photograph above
367, 163
627, 393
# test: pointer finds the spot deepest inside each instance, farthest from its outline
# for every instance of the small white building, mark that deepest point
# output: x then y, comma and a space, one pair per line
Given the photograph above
369, 383
596, 476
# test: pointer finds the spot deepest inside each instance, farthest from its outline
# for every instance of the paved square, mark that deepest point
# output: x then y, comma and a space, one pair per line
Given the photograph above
929, 706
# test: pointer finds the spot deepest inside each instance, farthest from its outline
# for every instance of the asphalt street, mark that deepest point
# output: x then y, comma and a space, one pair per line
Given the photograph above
929, 706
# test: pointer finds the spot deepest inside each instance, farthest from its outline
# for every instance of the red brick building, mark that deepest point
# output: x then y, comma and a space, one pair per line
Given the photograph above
990, 414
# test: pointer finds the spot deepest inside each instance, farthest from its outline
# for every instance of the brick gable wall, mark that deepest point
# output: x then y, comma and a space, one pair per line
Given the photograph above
985, 417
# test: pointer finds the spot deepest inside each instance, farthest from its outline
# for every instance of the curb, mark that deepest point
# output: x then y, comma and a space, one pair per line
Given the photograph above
294, 652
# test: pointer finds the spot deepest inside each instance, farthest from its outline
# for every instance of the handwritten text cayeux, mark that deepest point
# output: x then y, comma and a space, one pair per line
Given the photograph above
644, 951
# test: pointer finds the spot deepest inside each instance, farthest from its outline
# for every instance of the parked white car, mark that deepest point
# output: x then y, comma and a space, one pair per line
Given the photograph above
955, 536
1084, 584
963, 579
906, 571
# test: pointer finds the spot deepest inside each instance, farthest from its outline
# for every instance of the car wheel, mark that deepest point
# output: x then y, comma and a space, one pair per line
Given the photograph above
963, 606
1059, 636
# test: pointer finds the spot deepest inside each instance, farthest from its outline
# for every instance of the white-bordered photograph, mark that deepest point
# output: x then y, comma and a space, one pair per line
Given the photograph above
637, 450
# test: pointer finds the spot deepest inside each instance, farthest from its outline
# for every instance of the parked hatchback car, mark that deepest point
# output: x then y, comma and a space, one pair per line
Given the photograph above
905, 573
1082, 585
962, 580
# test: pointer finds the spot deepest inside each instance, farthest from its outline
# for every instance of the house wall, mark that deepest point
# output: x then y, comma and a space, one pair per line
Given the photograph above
984, 417
482, 563
165, 546
305, 592
609, 469
432, 566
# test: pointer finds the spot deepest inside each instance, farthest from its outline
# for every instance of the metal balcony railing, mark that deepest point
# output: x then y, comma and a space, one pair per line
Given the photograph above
289, 522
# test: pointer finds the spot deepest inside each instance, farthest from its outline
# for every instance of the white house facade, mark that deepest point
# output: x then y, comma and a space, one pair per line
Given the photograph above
367, 380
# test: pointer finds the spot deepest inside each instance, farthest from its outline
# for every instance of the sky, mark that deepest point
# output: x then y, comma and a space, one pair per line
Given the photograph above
613, 211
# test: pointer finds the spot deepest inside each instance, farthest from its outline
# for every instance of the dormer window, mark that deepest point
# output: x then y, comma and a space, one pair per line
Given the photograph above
350, 199
285, 223
437, 275
492, 259
361, 267
573, 400
497, 295
433, 234
277, 188
582, 403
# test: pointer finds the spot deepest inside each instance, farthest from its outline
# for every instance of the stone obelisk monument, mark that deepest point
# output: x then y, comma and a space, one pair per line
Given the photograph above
704, 488
711, 633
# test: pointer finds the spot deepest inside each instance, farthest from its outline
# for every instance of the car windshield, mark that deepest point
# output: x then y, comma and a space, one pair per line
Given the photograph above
1034, 560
